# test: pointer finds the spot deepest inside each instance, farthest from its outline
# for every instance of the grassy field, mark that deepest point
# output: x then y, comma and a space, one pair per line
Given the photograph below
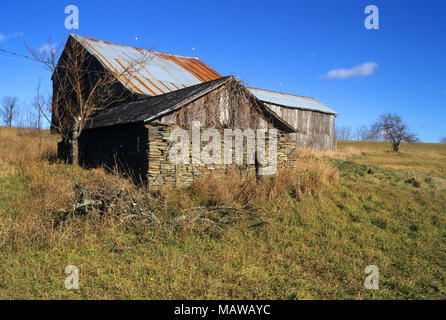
309, 234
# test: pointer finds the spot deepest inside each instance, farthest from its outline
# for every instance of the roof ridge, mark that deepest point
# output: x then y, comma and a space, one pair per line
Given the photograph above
147, 97
122, 45
290, 100
288, 94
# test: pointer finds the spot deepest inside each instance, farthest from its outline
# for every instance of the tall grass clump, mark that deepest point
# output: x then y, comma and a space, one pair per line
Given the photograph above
310, 177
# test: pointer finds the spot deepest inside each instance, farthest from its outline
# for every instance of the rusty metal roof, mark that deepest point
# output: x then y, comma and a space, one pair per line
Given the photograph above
290, 101
155, 73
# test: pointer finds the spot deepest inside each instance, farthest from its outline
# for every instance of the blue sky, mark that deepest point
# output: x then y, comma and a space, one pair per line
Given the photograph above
286, 46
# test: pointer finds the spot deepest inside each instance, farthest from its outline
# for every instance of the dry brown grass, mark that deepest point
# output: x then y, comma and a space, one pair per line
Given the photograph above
49, 187
44, 187
309, 178
26, 144
321, 224
342, 153
425, 158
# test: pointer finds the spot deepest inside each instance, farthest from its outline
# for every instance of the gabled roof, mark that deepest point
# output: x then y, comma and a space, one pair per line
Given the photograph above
290, 101
158, 74
152, 108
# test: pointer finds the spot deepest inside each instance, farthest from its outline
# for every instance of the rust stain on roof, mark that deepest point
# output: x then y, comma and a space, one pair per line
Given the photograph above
155, 73
132, 74
188, 64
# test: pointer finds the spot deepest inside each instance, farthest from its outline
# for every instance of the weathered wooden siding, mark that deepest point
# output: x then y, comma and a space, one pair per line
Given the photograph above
315, 129
62, 119
225, 107
124, 147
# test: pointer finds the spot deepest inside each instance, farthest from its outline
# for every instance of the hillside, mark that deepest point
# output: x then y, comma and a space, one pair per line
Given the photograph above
306, 233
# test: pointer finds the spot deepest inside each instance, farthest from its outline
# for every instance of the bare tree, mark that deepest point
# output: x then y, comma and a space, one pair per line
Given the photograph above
28, 119
343, 133
392, 128
42, 107
82, 88
443, 140
363, 133
9, 110
38, 105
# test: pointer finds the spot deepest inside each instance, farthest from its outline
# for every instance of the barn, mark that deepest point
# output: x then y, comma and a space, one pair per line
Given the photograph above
312, 121
169, 92
136, 136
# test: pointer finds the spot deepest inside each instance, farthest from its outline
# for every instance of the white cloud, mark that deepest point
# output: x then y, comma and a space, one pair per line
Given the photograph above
5, 37
363, 70
47, 47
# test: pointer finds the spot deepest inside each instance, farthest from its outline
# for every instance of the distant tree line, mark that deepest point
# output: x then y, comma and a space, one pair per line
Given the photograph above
388, 127
361, 133
25, 115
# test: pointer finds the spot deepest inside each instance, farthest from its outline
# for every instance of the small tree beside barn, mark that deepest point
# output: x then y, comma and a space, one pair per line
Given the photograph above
82, 88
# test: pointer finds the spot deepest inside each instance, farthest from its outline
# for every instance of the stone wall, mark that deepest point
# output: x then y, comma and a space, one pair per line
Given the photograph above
161, 170
142, 153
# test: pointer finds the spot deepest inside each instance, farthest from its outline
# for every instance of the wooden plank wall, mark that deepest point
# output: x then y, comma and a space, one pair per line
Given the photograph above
226, 107
314, 129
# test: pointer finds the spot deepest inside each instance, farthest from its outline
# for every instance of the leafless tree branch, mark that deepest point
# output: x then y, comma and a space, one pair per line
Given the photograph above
82, 88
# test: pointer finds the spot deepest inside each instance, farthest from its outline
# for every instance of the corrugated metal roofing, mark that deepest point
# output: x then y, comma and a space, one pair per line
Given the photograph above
289, 100
158, 73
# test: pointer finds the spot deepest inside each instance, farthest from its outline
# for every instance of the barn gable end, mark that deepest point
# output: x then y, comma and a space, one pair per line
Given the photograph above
314, 129
312, 121
229, 106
